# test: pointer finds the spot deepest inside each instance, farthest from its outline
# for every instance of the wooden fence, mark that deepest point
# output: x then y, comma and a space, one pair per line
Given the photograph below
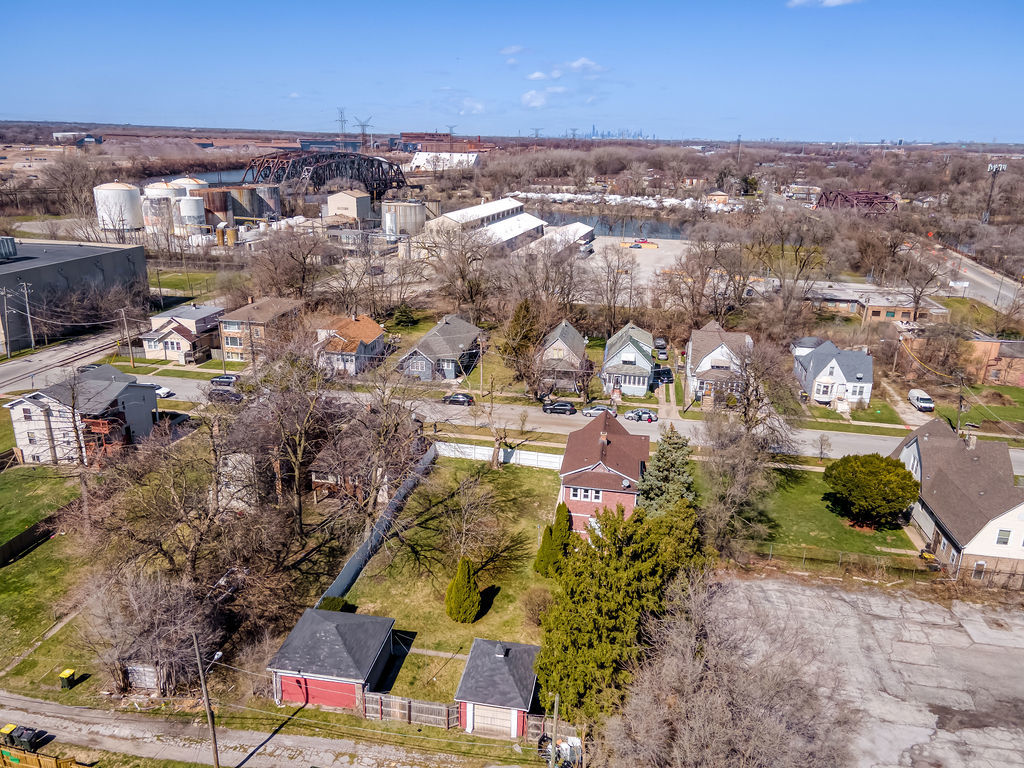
12, 756
383, 706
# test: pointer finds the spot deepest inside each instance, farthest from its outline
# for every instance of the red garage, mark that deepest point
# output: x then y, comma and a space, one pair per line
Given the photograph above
331, 659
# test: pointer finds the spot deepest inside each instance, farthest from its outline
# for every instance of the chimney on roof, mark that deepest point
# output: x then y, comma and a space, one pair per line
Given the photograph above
972, 442
500, 650
604, 438
353, 317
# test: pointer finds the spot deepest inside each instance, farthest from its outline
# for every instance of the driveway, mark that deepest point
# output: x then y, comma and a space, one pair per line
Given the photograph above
908, 413
933, 685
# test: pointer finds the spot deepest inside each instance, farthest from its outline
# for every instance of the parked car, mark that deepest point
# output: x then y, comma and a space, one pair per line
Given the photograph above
84, 368
560, 406
163, 391
597, 410
641, 414
224, 396
921, 400
662, 354
660, 343
224, 380
458, 398
663, 375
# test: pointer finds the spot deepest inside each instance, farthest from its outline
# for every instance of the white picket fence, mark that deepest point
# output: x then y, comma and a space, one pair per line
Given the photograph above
483, 453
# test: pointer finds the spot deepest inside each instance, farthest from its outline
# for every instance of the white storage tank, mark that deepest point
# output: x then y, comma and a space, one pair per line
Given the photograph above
118, 206
410, 216
188, 183
164, 189
158, 214
190, 215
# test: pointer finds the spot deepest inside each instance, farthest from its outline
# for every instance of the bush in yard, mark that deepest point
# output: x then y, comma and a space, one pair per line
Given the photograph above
871, 490
536, 600
546, 555
336, 604
403, 316
462, 600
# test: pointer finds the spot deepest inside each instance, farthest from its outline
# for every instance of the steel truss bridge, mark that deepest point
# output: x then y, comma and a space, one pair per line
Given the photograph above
300, 172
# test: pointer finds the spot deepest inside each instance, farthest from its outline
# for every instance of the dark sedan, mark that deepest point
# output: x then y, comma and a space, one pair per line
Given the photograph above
458, 398
560, 406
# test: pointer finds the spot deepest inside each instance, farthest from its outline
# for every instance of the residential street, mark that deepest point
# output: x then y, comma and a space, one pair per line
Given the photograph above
156, 738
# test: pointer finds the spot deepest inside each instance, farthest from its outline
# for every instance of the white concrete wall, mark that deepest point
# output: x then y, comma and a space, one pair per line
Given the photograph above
483, 453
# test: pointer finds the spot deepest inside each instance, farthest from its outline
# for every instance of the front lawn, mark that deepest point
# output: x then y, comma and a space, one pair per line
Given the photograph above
416, 600
28, 494
182, 406
219, 365
878, 411
177, 373
800, 517
6, 427
138, 370
821, 412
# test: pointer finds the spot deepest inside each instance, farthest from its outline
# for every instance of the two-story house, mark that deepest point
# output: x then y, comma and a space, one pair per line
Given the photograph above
968, 509
628, 365
184, 334
600, 469
245, 332
449, 350
350, 345
714, 361
839, 378
94, 414
562, 358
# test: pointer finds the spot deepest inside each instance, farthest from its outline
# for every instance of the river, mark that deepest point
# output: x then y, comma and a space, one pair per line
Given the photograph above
619, 226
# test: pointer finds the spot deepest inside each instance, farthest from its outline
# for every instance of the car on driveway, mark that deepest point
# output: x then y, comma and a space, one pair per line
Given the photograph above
84, 368
663, 375
660, 343
597, 410
458, 398
224, 396
224, 380
641, 414
560, 406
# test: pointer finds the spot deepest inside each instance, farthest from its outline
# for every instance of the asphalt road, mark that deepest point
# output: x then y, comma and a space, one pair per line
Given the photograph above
984, 285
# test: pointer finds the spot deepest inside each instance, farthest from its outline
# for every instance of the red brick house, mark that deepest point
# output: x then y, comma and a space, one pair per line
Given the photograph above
601, 468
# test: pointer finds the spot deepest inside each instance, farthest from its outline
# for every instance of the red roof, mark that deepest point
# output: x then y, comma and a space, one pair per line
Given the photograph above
605, 448
348, 332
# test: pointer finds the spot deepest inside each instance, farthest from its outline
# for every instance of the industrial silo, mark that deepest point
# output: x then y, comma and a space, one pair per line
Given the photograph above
188, 183
409, 216
158, 214
244, 201
118, 206
190, 216
218, 204
270, 194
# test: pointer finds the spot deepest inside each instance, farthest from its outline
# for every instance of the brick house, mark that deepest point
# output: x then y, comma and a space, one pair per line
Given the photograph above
601, 468
331, 659
969, 511
244, 331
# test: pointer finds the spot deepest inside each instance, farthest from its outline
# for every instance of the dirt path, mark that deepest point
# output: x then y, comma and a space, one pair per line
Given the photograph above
910, 415
153, 737
53, 630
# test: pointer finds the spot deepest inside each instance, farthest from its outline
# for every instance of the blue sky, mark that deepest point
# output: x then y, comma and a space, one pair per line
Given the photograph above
789, 69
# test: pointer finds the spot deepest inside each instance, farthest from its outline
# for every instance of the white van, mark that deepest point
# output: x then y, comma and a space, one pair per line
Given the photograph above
920, 400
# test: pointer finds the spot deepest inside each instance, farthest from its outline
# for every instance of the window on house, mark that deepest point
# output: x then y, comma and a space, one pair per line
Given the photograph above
31, 437
857, 390
26, 414
890, 313
831, 370
905, 315
232, 341
257, 332
876, 313
417, 365
1003, 537
979, 570
995, 375
35, 458
231, 325
574, 493
942, 545
596, 496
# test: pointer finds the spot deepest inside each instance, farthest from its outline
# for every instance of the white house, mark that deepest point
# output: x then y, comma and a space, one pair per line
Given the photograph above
350, 345
93, 416
840, 378
714, 361
627, 363
969, 510
183, 334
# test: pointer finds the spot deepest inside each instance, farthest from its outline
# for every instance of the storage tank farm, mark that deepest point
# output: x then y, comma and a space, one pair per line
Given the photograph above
158, 206
118, 206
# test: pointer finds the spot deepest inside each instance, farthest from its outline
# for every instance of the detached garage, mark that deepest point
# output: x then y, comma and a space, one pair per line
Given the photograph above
497, 689
331, 659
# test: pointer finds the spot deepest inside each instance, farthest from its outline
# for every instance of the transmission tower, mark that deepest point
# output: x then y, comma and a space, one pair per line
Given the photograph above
573, 132
536, 132
451, 136
994, 169
341, 121
363, 125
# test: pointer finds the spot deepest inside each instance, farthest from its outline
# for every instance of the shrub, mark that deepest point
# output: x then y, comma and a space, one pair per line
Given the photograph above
546, 555
535, 601
462, 599
871, 490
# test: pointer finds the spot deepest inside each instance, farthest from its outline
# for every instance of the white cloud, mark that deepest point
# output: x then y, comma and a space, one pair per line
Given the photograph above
583, 64
511, 61
511, 50
533, 99
471, 107
556, 89
294, 95
555, 74
536, 76
820, 3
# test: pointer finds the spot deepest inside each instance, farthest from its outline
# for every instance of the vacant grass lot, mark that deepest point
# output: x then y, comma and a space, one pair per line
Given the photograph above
970, 312
878, 411
799, 516
428, 678
416, 600
179, 281
28, 494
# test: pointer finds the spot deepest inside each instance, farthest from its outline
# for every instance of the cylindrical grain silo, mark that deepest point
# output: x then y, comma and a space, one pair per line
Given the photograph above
191, 215
118, 206
188, 183
218, 204
244, 201
164, 189
410, 215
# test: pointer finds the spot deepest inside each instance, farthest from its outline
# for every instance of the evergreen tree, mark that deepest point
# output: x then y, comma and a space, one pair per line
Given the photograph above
562, 537
403, 316
593, 633
462, 599
668, 477
871, 490
519, 337
546, 555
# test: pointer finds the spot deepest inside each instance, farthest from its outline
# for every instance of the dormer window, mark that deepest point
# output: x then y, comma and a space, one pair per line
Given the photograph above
831, 370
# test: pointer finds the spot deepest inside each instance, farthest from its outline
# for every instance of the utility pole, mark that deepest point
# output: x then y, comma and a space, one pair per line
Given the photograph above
554, 737
960, 405
995, 169
895, 354
28, 314
7, 335
206, 701
128, 337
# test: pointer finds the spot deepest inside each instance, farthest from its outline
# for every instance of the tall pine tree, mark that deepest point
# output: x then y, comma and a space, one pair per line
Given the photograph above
555, 543
668, 476
462, 599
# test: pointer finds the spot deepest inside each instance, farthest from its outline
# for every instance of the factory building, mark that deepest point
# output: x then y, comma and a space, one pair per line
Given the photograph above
436, 162
576, 238
49, 267
353, 203
503, 222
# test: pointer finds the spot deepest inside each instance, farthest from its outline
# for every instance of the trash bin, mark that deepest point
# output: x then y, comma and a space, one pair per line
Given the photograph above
25, 738
5, 735
67, 679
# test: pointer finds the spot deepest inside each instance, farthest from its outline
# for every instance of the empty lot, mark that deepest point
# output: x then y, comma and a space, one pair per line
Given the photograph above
935, 686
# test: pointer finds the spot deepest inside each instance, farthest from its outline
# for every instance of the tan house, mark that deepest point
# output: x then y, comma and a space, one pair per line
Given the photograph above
350, 345
184, 334
563, 360
244, 332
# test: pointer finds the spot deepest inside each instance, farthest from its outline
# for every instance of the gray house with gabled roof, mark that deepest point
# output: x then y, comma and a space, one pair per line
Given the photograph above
498, 688
628, 365
840, 378
449, 350
331, 658
563, 358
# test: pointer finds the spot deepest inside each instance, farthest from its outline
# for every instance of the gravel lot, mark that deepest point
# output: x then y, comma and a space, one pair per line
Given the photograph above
649, 260
935, 686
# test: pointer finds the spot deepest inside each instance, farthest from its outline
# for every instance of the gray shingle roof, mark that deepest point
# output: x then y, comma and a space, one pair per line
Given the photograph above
629, 333
333, 644
107, 372
964, 487
499, 674
709, 338
850, 361
569, 336
445, 338
89, 396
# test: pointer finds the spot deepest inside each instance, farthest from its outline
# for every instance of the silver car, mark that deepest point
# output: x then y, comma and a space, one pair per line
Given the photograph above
597, 410
641, 414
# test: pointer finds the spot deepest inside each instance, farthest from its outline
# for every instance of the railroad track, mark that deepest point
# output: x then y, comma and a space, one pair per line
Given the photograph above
73, 357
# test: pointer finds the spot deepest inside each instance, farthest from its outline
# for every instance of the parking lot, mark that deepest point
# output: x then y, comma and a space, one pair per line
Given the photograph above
934, 685
649, 261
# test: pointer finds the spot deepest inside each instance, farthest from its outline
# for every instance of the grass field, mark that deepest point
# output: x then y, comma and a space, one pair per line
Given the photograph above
28, 494
878, 411
416, 601
842, 426
428, 678
178, 373
217, 365
182, 406
800, 517
6, 427
138, 370
970, 312
201, 282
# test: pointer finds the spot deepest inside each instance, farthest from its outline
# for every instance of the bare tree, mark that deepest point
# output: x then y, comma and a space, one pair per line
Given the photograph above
922, 278
289, 262
614, 283
461, 263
